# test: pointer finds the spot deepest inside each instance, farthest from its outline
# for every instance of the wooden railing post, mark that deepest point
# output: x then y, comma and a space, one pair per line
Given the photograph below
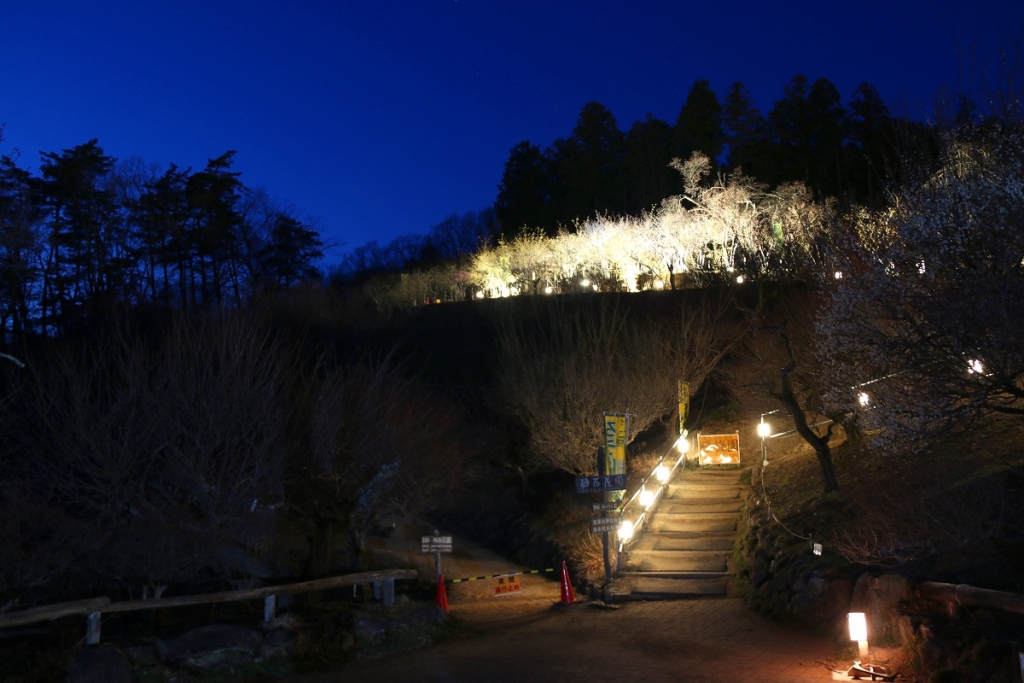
383, 582
269, 608
92, 628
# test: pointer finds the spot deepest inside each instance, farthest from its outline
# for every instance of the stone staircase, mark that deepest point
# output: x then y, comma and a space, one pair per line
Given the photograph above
683, 552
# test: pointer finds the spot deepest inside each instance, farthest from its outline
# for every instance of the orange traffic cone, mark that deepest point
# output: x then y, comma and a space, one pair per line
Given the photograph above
568, 595
442, 597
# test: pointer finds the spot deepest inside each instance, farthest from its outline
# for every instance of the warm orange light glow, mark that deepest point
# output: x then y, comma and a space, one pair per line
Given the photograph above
858, 626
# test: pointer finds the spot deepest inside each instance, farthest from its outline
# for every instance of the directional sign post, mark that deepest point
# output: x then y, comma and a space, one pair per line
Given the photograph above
604, 484
601, 483
602, 525
436, 544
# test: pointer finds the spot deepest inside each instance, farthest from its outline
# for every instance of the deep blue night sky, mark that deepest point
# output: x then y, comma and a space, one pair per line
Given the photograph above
381, 117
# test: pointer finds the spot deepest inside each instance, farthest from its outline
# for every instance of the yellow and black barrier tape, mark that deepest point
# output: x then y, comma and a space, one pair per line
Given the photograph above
501, 576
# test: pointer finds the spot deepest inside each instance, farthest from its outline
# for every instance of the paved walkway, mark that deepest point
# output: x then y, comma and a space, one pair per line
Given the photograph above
528, 637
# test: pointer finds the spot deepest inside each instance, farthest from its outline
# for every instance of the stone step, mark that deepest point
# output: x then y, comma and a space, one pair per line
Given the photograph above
675, 493
675, 542
690, 482
693, 515
715, 527
652, 588
677, 506
675, 563
714, 475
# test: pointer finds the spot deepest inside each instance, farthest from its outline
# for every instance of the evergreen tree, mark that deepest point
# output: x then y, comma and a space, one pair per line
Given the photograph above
165, 243
20, 247
524, 194
589, 166
292, 251
699, 124
83, 231
213, 196
647, 175
870, 131
746, 132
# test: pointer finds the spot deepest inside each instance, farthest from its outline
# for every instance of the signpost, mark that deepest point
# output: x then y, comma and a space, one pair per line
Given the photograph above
436, 544
616, 431
609, 484
684, 405
601, 483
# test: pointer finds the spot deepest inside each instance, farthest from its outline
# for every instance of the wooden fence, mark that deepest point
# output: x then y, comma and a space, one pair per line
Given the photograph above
971, 596
383, 582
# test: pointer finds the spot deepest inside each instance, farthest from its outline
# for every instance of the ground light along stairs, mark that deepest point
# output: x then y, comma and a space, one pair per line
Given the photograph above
684, 550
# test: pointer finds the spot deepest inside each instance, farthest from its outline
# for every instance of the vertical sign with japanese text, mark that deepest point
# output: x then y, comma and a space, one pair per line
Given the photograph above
684, 405
616, 426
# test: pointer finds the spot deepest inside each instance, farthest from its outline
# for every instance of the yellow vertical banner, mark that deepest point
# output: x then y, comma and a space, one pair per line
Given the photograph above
616, 427
684, 404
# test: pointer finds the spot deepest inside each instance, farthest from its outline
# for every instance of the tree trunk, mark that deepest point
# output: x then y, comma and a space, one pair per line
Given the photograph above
820, 444
323, 541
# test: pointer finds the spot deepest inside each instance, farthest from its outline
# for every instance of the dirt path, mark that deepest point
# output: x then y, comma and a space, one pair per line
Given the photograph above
528, 637
710, 639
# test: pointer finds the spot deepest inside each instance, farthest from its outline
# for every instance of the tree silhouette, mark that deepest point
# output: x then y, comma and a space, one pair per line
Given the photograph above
524, 195
83, 232
699, 124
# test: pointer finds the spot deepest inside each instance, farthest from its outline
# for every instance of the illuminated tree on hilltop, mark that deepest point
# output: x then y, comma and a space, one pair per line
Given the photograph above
936, 306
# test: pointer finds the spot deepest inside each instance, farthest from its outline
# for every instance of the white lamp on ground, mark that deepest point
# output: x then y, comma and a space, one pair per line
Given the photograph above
764, 430
859, 632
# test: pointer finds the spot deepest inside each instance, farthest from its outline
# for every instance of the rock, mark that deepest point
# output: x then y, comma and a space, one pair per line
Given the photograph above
760, 572
930, 653
879, 597
821, 600
371, 629
212, 647
142, 655
100, 664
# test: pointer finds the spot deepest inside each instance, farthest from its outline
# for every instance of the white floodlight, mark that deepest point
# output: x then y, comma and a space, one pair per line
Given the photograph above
626, 530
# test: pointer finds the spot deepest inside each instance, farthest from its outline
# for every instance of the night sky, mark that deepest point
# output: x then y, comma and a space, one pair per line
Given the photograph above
382, 117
